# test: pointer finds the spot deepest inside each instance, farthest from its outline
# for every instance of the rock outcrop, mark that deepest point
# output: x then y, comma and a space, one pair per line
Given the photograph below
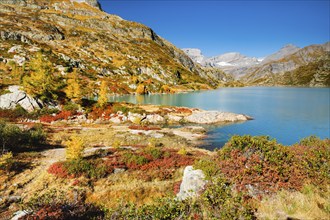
213, 117
18, 97
193, 182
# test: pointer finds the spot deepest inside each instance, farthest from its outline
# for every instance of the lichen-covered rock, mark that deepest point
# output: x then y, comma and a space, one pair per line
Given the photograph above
193, 182
18, 97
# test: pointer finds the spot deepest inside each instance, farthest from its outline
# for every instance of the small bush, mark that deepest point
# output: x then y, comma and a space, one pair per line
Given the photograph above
154, 152
208, 166
14, 114
54, 204
134, 159
6, 161
58, 169
76, 168
94, 170
14, 139
37, 135
183, 151
120, 108
74, 148
72, 107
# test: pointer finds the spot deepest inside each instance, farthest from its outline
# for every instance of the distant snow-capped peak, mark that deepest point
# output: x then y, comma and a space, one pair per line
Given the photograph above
195, 54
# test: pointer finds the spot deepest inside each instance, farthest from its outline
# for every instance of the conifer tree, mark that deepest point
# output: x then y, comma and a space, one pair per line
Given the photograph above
40, 82
103, 94
73, 89
74, 148
141, 89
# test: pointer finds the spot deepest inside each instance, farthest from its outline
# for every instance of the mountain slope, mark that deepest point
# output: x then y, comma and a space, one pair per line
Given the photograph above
283, 52
77, 34
305, 67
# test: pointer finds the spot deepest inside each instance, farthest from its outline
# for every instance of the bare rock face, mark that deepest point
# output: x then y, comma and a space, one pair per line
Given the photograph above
192, 183
19, 97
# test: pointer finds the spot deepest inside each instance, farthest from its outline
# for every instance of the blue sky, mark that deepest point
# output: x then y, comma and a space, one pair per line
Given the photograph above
254, 28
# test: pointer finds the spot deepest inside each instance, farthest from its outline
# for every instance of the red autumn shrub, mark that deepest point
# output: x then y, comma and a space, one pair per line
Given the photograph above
63, 115
58, 169
98, 112
67, 211
154, 163
267, 166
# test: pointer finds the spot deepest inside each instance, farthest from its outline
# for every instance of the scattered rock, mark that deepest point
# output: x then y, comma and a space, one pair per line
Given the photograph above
15, 49
19, 97
174, 118
20, 214
134, 117
193, 182
115, 120
12, 199
155, 119
119, 170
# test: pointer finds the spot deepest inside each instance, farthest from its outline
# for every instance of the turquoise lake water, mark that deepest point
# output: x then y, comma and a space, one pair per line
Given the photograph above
286, 114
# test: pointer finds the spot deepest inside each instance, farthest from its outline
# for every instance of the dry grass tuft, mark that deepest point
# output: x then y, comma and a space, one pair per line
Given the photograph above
310, 204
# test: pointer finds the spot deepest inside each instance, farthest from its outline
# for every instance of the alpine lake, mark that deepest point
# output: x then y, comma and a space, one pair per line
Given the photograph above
285, 114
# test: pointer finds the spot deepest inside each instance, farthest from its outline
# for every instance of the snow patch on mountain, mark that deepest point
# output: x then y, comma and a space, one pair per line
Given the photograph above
195, 54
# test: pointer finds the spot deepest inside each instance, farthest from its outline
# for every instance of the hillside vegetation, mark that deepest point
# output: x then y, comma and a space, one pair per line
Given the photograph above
72, 38
249, 178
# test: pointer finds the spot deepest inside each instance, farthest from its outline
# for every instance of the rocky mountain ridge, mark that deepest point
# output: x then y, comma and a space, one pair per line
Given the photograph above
279, 68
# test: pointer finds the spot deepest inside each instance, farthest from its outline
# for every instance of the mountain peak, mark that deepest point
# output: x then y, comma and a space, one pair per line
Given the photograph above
195, 54
283, 52
289, 46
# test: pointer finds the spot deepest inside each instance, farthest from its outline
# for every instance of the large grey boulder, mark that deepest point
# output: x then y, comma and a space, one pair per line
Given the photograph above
193, 182
18, 97
212, 117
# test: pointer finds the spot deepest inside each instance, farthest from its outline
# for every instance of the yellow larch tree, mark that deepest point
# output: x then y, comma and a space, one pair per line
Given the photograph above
73, 90
40, 82
74, 148
103, 94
